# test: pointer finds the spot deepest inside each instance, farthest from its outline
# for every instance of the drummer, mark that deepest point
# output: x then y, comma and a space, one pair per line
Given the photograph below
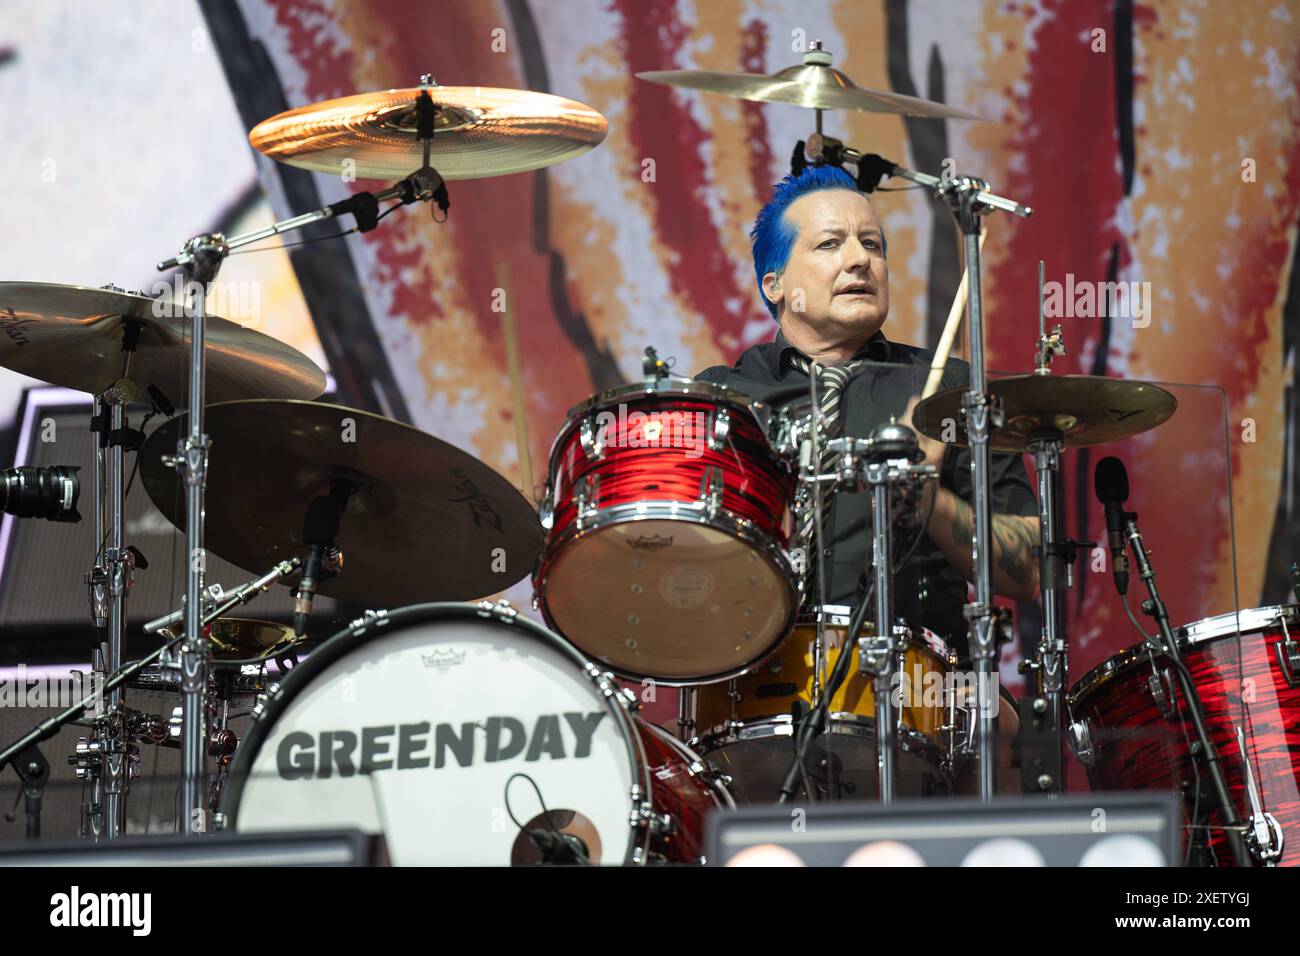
819, 257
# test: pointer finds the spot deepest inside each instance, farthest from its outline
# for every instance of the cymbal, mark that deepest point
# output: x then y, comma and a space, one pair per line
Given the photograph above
478, 131
1086, 409
814, 84
241, 638
425, 521
72, 336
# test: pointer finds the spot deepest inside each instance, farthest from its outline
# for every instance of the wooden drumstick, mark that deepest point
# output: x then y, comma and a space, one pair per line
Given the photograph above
949, 332
519, 407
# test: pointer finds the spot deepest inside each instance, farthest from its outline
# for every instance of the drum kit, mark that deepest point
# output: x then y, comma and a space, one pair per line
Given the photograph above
666, 550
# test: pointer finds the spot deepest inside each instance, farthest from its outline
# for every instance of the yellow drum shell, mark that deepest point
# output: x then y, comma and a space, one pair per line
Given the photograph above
773, 687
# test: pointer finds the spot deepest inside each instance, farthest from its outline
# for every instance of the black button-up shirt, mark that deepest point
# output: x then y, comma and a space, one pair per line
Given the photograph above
927, 589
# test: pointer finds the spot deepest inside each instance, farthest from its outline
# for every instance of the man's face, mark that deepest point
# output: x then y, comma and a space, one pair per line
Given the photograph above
836, 280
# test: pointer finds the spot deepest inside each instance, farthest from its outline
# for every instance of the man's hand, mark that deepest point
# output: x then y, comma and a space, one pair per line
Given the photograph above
1015, 569
934, 450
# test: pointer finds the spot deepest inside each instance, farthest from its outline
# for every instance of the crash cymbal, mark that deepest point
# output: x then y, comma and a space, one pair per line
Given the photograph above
478, 131
424, 521
1086, 409
814, 84
72, 336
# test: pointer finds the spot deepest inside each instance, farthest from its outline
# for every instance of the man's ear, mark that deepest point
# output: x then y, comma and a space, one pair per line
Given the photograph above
772, 289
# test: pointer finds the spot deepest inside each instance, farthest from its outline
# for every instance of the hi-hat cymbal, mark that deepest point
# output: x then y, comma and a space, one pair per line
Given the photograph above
72, 336
478, 131
242, 638
1085, 409
814, 84
425, 521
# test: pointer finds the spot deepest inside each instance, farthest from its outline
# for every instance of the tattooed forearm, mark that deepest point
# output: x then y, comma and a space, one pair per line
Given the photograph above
1014, 544
962, 532
1015, 570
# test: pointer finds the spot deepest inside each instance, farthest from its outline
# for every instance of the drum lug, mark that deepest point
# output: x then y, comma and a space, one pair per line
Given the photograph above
711, 488
369, 618
546, 510
502, 610
587, 499
717, 439
1288, 655
1080, 735
591, 438
659, 824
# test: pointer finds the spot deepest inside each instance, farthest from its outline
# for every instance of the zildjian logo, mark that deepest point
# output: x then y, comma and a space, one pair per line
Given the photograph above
480, 508
13, 326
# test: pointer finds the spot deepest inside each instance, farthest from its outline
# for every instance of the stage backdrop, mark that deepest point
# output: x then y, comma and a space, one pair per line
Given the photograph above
1156, 142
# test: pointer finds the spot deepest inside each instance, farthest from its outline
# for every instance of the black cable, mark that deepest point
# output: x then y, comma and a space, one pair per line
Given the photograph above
812, 721
554, 830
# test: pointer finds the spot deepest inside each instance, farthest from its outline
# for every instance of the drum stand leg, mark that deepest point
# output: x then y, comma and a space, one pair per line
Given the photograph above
105, 757
1051, 665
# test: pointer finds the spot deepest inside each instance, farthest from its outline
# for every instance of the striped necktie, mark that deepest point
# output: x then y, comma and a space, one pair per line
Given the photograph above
832, 381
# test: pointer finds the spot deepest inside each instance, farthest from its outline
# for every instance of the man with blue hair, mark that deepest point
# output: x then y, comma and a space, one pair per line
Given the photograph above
819, 258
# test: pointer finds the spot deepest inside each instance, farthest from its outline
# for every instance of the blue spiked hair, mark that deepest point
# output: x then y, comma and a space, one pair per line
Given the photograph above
773, 235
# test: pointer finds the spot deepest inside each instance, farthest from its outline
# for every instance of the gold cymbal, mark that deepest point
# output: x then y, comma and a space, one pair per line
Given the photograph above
1085, 409
72, 336
241, 638
424, 521
478, 131
814, 84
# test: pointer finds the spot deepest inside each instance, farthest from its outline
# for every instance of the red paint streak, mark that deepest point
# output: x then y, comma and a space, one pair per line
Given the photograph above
753, 59
659, 125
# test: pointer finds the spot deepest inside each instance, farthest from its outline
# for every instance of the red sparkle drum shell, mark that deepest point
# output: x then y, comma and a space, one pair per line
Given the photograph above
667, 518
682, 789
1128, 742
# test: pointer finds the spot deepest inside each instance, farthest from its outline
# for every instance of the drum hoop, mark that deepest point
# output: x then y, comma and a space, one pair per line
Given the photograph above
839, 615
739, 527
280, 695
1207, 629
683, 387
844, 723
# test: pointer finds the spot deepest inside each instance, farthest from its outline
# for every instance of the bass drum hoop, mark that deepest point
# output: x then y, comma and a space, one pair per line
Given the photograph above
280, 695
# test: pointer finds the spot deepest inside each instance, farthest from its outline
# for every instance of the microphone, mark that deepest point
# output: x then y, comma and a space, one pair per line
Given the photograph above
319, 528
559, 847
1110, 481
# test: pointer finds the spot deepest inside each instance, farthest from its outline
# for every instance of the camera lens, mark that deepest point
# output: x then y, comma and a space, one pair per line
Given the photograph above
50, 493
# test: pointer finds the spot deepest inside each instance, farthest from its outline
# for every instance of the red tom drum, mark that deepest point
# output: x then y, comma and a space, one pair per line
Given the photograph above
1130, 731
667, 518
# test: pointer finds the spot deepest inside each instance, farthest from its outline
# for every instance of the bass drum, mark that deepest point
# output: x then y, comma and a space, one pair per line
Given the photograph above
465, 735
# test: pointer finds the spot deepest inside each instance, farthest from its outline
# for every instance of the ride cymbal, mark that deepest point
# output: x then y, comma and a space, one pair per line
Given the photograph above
814, 84
1085, 409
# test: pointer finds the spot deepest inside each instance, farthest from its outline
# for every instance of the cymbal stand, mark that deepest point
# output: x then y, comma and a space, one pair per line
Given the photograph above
970, 201
105, 759
1044, 717
201, 258
889, 459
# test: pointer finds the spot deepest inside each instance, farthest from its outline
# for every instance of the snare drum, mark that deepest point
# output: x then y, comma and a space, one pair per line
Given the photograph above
445, 727
666, 511
746, 724
1130, 730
